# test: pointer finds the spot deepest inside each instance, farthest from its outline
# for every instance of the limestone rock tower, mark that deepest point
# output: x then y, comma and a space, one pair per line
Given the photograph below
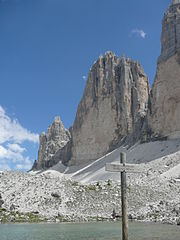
165, 100
112, 110
113, 104
170, 39
52, 141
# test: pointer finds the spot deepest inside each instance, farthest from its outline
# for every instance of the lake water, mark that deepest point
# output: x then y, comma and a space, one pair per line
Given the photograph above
90, 231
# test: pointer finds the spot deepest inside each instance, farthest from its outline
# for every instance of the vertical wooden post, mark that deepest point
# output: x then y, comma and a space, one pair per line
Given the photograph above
124, 199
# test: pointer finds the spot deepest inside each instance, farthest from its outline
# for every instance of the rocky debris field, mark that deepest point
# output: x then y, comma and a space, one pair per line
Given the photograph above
153, 195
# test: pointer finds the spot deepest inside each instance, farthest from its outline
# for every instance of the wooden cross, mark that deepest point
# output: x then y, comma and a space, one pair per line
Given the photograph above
123, 168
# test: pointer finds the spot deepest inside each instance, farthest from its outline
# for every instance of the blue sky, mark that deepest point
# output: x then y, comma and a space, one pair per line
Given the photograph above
46, 50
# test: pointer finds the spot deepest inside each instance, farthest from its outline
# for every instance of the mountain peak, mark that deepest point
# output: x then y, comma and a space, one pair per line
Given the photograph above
57, 119
174, 2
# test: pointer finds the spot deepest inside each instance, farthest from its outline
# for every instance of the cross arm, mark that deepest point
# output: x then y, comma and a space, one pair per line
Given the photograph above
129, 168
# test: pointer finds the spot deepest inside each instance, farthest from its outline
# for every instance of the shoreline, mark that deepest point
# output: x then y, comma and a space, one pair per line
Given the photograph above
103, 220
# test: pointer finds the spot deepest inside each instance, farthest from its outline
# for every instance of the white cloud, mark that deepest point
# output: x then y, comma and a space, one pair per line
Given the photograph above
84, 78
3, 152
11, 130
12, 137
4, 166
139, 33
25, 166
12, 152
16, 148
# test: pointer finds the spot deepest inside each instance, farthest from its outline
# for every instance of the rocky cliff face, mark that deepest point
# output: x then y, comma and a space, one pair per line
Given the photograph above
114, 101
111, 111
164, 119
55, 139
114, 106
170, 38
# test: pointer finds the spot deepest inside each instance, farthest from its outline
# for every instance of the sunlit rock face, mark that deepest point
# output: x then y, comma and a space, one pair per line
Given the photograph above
111, 112
55, 139
170, 38
117, 107
165, 100
114, 101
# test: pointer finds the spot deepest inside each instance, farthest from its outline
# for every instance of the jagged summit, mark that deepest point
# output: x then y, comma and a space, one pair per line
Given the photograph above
117, 107
111, 110
56, 138
57, 119
170, 37
174, 2
165, 102
109, 54
114, 100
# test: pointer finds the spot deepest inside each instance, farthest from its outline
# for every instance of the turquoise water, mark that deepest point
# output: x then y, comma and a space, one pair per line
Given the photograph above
90, 231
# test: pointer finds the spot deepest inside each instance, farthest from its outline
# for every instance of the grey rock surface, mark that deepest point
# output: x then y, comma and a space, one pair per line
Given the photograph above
164, 114
175, 1
170, 38
113, 105
164, 119
153, 195
55, 139
111, 112
117, 107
